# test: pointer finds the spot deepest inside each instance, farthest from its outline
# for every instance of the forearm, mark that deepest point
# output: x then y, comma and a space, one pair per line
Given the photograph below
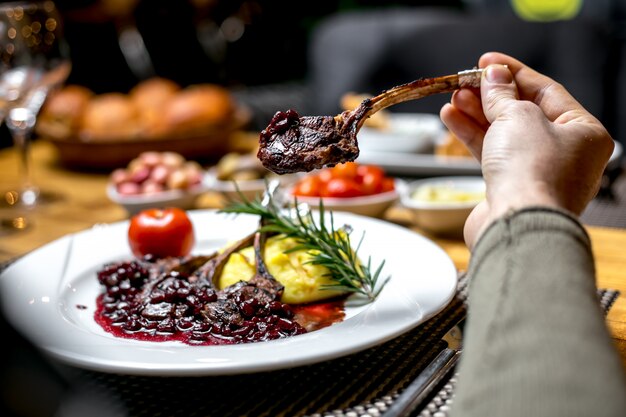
536, 343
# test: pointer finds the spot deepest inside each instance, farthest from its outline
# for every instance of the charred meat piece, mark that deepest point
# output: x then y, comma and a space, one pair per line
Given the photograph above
291, 143
163, 268
161, 295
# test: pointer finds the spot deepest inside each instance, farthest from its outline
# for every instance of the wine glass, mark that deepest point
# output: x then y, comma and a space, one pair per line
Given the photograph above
33, 61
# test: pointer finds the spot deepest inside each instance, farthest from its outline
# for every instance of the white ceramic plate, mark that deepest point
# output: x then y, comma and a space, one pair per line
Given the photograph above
397, 163
616, 156
407, 132
424, 164
406, 147
50, 295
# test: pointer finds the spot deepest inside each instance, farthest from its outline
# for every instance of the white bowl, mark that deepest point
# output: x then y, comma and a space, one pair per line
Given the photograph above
407, 132
232, 190
442, 217
372, 205
184, 199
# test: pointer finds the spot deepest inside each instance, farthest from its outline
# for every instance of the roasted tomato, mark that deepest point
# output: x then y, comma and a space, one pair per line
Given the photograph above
161, 233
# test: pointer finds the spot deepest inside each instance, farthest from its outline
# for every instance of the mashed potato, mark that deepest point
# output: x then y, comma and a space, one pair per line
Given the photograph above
302, 280
446, 194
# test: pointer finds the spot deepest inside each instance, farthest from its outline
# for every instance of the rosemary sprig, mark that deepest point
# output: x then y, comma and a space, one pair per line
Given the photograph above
328, 246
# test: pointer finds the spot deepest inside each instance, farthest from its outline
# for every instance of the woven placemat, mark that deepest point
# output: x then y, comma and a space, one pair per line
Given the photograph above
360, 385
608, 209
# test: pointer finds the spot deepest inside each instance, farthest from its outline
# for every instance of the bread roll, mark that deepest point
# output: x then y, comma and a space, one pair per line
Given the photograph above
150, 97
153, 93
110, 116
197, 107
62, 112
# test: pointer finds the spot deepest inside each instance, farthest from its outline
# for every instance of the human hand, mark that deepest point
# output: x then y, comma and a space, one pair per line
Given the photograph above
536, 144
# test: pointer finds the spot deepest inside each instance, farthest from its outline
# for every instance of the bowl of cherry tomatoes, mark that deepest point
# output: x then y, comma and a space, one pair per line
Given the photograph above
356, 188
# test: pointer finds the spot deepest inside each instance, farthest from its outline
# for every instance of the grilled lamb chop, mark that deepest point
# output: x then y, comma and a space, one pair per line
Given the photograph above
291, 143
261, 290
157, 299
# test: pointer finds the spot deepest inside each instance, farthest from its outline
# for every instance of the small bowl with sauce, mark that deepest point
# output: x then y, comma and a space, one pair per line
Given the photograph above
440, 205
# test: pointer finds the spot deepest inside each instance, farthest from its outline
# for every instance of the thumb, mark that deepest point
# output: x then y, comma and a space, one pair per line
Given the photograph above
498, 91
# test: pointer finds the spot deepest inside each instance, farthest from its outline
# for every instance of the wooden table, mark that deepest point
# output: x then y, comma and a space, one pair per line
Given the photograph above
83, 202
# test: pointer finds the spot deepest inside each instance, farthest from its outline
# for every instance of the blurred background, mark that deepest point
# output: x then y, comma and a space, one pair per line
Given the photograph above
275, 55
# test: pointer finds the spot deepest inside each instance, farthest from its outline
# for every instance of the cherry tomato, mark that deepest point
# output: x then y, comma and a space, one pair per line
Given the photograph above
342, 188
325, 175
161, 232
387, 185
371, 184
371, 179
345, 170
309, 186
363, 170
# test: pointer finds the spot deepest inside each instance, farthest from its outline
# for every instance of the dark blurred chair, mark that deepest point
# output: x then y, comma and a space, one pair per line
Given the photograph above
367, 52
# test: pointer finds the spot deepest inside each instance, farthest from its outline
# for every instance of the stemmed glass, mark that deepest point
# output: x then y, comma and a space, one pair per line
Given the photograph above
33, 61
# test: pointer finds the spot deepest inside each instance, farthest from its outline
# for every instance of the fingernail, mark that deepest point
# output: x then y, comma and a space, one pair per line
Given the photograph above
498, 74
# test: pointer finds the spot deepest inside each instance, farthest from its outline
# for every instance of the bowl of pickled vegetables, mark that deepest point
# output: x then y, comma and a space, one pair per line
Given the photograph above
156, 180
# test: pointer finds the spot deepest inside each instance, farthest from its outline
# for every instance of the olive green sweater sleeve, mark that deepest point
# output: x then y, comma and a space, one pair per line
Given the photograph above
536, 343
